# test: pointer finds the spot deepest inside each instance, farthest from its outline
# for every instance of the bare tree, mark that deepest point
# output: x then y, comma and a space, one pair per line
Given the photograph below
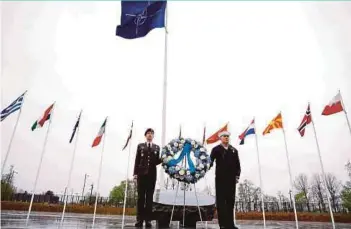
334, 187
246, 192
348, 168
284, 201
302, 186
318, 191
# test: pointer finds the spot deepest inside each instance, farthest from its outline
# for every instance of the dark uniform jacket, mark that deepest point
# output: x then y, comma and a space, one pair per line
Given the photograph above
227, 162
147, 159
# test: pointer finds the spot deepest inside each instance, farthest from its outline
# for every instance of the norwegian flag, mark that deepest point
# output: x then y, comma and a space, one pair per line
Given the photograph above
307, 119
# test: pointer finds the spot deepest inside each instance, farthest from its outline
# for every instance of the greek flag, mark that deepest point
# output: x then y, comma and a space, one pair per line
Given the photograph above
138, 18
14, 106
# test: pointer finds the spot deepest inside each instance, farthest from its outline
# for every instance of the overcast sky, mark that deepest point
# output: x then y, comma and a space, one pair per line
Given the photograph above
228, 61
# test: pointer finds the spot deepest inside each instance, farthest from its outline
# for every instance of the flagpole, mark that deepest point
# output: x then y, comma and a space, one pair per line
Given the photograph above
39, 166
344, 108
260, 175
324, 176
70, 172
291, 180
126, 186
164, 109
99, 176
12, 136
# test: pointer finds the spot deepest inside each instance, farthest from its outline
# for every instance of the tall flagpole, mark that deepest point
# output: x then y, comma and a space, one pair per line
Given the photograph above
126, 186
344, 108
99, 176
70, 171
324, 176
260, 175
291, 180
39, 166
12, 136
164, 108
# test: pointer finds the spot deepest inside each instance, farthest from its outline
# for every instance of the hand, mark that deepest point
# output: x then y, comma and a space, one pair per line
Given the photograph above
237, 179
135, 177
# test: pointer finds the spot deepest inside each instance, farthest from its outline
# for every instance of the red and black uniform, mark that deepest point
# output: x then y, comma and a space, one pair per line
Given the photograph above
227, 172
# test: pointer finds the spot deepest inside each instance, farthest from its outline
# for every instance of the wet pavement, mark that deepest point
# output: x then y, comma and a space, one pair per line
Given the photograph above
48, 220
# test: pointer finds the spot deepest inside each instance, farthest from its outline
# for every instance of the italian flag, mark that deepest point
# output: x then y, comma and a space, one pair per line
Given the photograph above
98, 138
46, 116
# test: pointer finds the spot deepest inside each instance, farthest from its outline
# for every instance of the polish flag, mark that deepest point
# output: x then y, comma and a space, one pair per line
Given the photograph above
334, 106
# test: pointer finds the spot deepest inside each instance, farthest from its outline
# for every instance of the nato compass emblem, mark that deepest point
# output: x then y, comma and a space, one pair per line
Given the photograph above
148, 12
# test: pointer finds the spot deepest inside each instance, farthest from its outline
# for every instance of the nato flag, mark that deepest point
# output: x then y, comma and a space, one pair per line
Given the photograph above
140, 17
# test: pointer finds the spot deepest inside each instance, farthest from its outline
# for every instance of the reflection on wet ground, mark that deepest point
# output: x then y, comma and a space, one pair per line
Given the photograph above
44, 220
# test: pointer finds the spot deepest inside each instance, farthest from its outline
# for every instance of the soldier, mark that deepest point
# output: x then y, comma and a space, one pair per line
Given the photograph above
227, 175
146, 160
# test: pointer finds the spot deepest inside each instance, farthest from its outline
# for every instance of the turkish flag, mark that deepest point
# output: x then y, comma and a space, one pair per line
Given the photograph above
334, 106
214, 137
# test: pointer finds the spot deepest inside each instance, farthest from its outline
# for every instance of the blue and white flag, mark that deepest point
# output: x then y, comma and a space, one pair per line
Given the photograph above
140, 17
249, 130
14, 106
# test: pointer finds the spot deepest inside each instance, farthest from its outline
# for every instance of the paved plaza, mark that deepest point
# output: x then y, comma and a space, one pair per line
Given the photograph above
16, 219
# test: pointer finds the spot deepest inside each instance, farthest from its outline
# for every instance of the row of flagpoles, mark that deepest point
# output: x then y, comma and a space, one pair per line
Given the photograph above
335, 106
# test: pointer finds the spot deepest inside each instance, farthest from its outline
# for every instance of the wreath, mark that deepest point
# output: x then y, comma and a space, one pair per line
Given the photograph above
177, 160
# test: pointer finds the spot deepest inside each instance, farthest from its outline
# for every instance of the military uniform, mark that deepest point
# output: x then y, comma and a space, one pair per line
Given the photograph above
146, 160
227, 172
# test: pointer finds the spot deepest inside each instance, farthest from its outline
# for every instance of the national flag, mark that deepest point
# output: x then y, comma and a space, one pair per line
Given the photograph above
307, 119
214, 138
129, 137
14, 106
276, 123
46, 116
249, 130
204, 136
334, 106
101, 133
75, 128
138, 18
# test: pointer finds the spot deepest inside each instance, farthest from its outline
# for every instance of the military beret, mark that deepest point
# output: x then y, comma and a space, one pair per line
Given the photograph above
149, 130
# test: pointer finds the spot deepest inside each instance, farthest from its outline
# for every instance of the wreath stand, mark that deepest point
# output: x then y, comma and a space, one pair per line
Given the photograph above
175, 199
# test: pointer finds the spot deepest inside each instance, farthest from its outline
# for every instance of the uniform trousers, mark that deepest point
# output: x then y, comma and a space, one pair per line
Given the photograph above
225, 200
146, 188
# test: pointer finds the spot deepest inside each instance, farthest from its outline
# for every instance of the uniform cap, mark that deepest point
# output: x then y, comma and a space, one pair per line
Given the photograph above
149, 130
223, 133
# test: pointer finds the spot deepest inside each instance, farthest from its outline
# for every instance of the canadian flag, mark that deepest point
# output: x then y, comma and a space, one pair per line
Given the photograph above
334, 106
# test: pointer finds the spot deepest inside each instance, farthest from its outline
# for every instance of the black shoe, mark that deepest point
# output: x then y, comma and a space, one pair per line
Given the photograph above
148, 224
139, 223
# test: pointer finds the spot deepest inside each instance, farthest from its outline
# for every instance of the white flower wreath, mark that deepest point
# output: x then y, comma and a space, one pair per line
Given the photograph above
190, 172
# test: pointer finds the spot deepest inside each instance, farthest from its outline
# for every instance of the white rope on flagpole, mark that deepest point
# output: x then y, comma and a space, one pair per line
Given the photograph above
12, 136
344, 108
99, 176
291, 180
39, 166
70, 171
324, 176
164, 103
260, 175
126, 186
